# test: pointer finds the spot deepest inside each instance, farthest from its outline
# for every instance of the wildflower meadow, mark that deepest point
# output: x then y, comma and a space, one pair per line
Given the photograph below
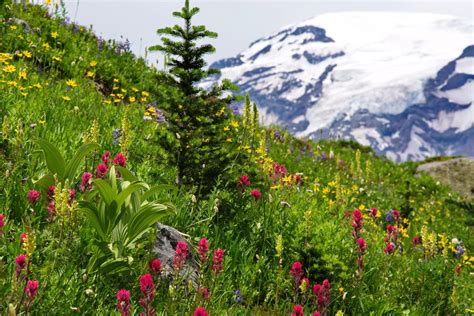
100, 153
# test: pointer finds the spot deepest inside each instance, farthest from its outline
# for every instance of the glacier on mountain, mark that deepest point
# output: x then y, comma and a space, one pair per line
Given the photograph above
400, 82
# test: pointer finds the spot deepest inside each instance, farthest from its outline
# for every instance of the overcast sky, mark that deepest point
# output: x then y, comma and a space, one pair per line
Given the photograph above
238, 23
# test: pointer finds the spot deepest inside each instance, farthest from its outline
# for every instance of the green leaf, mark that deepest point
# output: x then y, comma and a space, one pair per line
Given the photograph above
114, 266
54, 160
105, 190
157, 188
73, 164
128, 191
146, 217
94, 218
45, 181
126, 174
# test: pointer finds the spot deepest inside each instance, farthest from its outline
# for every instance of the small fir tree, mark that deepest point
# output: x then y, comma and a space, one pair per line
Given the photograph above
196, 140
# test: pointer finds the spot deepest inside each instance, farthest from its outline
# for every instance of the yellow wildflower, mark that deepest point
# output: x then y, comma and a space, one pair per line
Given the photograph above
234, 124
229, 140
71, 83
116, 80
66, 98
132, 99
46, 46
12, 83
37, 85
143, 99
134, 89
42, 122
93, 64
13, 27
326, 190
90, 74
361, 207
27, 54
54, 34
287, 179
107, 102
9, 68
145, 94
22, 75
57, 58
226, 129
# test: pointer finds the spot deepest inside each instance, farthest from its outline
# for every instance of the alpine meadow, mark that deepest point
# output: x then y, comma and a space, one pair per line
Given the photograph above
132, 190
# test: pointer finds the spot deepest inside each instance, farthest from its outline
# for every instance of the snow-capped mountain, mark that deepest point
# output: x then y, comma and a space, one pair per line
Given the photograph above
402, 83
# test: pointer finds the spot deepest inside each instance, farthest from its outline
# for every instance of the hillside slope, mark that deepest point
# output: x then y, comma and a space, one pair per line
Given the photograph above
292, 201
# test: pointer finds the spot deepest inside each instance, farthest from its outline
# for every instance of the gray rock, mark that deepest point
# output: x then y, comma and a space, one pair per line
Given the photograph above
22, 23
166, 240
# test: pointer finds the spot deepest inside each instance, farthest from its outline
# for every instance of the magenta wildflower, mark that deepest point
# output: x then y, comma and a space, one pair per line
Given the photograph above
23, 238
416, 241
373, 212
85, 181
20, 262
180, 255
51, 210
51, 190
105, 157
244, 181
297, 310
390, 229
147, 287
323, 295
146, 284
31, 288
200, 311
297, 270
203, 249
362, 244
389, 248
217, 261
120, 160
155, 265
33, 196
101, 170
2, 223
316, 313
204, 293
256, 194
123, 304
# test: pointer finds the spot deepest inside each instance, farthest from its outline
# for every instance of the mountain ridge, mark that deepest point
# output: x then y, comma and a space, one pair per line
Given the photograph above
313, 77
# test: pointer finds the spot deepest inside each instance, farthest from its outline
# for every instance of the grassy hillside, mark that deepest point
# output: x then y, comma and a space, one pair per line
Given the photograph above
59, 82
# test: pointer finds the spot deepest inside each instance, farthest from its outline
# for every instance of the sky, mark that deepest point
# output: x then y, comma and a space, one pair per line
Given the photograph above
238, 22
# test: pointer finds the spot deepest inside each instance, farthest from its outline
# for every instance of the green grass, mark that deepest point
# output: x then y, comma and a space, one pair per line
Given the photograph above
313, 217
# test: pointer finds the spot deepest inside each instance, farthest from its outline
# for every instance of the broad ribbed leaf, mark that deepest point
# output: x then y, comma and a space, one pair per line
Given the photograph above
73, 164
94, 218
146, 217
54, 160
114, 266
45, 181
129, 191
105, 190
126, 174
